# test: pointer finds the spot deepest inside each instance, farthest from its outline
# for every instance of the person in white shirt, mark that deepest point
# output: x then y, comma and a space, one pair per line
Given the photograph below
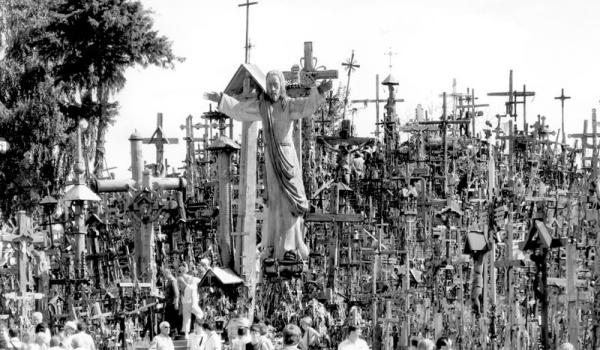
197, 339
162, 341
353, 341
213, 340
189, 299
85, 340
69, 330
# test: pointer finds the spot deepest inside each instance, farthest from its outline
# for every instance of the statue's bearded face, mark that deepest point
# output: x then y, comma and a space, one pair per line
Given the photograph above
273, 87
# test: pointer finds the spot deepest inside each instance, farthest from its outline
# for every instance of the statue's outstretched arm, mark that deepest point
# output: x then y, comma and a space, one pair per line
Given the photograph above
302, 107
245, 111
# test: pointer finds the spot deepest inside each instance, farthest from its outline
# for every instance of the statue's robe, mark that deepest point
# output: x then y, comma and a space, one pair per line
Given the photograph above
286, 199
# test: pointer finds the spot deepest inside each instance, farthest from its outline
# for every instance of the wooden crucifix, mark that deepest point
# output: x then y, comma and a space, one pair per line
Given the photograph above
159, 139
377, 101
470, 106
22, 241
512, 99
329, 120
443, 124
190, 140
562, 99
305, 77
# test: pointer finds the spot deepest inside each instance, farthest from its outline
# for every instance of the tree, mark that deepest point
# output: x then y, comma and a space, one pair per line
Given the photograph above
62, 60
30, 117
92, 43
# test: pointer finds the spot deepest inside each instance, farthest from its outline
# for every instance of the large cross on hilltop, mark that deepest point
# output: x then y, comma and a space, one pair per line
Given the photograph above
159, 140
247, 5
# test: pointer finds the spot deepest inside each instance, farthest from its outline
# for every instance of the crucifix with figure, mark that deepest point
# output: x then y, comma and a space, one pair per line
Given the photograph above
159, 139
286, 200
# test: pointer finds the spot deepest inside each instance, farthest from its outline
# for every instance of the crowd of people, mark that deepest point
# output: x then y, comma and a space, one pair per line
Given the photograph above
73, 336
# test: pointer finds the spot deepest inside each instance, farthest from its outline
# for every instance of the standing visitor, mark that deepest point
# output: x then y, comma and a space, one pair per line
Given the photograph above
86, 340
213, 340
171, 310
197, 339
162, 341
353, 340
256, 340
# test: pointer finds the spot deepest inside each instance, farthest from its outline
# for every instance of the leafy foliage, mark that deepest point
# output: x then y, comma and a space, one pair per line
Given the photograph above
63, 60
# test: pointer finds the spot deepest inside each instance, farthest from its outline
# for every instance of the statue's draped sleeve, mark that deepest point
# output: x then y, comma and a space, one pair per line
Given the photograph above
245, 111
302, 107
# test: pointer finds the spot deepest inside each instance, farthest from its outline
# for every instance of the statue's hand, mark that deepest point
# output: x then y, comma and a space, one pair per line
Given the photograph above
212, 96
325, 86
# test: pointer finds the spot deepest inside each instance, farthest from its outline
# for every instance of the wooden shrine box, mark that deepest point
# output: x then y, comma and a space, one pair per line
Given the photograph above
222, 278
240, 87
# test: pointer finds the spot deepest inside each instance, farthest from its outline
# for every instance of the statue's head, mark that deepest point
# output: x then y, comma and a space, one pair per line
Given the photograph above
275, 86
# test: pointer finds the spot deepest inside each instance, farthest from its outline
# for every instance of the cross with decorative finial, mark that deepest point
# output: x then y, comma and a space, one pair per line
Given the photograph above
390, 54
350, 67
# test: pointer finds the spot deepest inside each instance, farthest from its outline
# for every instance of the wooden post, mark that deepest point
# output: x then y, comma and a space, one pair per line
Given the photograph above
571, 297
224, 147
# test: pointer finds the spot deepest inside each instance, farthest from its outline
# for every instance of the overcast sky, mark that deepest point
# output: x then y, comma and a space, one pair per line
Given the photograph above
550, 44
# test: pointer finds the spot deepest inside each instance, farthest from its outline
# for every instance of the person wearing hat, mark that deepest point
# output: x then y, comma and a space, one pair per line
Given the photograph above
162, 341
310, 336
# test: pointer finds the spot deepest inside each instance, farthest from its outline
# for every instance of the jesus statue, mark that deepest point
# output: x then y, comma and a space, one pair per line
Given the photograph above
285, 197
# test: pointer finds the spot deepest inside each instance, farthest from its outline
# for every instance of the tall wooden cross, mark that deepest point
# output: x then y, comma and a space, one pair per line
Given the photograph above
350, 67
377, 101
247, 5
444, 128
190, 141
21, 243
562, 99
512, 99
159, 139
470, 105
306, 78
